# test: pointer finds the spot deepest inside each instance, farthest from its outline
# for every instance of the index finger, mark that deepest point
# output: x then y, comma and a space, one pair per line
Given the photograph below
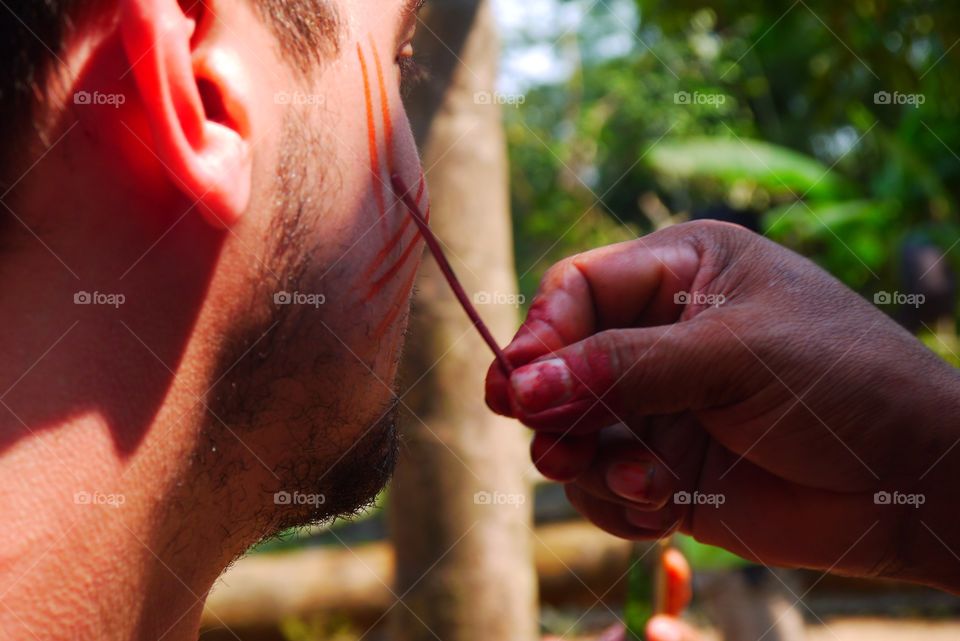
631, 284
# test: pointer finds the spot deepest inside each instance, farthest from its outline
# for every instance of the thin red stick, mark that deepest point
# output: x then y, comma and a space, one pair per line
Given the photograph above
434, 245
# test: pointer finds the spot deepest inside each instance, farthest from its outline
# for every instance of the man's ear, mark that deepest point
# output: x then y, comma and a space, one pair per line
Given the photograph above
195, 98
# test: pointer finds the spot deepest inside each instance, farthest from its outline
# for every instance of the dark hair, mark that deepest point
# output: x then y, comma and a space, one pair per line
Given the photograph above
32, 34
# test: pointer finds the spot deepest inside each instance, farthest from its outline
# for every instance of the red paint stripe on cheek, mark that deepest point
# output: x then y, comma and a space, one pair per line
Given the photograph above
384, 108
372, 136
398, 305
396, 238
388, 248
391, 272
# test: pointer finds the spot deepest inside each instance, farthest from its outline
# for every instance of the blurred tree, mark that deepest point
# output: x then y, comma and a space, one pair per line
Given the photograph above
460, 505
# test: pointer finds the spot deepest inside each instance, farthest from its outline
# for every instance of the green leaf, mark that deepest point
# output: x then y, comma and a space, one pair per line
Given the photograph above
781, 171
806, 221
707, 557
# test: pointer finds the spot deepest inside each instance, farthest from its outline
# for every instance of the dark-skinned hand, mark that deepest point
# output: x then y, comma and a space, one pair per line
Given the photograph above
707, 380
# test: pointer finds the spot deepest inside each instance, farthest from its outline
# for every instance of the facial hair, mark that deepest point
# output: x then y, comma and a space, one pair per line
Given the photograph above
331, 455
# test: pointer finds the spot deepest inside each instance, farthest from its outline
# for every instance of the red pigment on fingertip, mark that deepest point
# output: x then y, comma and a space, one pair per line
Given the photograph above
559, 459
543, 385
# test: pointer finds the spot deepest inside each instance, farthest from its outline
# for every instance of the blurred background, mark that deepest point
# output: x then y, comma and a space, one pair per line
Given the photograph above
552, 126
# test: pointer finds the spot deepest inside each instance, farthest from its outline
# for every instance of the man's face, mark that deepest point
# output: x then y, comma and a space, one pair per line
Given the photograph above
312, 331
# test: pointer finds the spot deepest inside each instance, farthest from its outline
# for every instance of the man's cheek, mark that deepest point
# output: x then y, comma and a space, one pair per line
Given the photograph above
391, 247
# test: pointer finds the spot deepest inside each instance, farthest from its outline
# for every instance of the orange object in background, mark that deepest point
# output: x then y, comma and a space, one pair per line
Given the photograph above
677, 593
677, 573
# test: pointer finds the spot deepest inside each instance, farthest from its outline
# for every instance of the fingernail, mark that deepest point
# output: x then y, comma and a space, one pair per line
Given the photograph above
540, 386
663, 629
631, 481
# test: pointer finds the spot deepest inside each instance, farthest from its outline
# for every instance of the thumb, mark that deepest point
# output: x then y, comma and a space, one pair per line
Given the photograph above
617, 374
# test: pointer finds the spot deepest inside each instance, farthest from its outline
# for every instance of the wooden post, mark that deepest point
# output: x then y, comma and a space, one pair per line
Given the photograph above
464, 564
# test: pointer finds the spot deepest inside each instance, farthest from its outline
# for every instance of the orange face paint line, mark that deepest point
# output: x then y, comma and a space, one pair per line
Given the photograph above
397, 236
378, 285
421, 187
433, 243
390, 273
372, 136
384, 108
397, 305
391, 245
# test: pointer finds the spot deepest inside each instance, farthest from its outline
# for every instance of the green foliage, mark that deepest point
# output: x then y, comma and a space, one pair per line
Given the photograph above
318, 628
782, 172
708, 557
777, 109
638, 607
837, 124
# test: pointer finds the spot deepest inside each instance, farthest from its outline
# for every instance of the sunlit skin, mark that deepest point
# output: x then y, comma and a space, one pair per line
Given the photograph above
188, 406
382, 166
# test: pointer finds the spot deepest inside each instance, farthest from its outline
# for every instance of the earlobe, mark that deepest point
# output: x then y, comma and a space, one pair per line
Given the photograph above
194, 97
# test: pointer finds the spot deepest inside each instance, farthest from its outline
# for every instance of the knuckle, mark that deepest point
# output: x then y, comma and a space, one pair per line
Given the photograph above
606, 355
723, 242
